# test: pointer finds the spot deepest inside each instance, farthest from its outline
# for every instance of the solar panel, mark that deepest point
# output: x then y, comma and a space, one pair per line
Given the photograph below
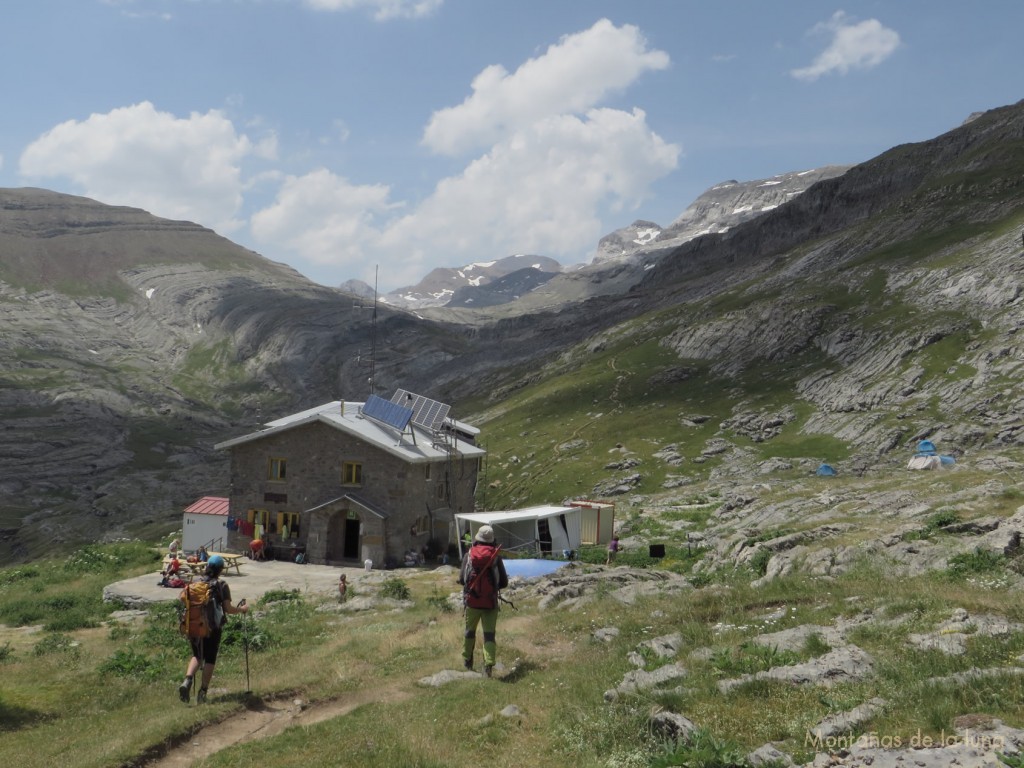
427, 413
392, 414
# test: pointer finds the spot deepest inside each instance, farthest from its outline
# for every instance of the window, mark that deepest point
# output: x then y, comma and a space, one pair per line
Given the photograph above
351, 473
276, 469
259, 517
426, 471
288, 524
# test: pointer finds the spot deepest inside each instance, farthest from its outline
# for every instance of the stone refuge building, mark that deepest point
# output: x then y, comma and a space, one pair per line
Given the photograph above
351, 482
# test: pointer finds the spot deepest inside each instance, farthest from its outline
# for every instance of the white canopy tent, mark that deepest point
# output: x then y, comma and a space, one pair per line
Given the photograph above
545, 528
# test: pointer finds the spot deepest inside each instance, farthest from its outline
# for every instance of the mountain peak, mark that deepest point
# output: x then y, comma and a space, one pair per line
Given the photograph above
717, 210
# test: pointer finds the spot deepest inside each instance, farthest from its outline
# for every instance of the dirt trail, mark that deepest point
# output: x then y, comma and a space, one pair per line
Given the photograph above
263, 719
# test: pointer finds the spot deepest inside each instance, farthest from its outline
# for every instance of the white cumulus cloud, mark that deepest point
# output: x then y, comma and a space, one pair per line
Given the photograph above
853, 46
324, 219
550, 164
572, 76
176, 168
383, 10
542, 190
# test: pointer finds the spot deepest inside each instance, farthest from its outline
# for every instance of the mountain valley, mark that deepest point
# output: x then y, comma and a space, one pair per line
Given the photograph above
880, 305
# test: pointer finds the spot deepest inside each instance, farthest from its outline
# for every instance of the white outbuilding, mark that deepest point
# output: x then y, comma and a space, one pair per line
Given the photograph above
205, 525
535, 530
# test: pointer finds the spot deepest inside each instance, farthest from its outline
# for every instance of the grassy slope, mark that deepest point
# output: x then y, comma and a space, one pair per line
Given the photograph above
67, 696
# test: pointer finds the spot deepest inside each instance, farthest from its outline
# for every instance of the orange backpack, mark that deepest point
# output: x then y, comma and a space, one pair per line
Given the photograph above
203, 612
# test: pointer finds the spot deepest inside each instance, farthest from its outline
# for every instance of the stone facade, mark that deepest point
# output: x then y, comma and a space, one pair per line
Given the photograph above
392, 506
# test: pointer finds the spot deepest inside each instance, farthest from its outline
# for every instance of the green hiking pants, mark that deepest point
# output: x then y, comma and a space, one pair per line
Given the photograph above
488, 618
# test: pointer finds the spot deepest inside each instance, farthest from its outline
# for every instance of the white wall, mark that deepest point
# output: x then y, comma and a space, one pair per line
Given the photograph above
197, 530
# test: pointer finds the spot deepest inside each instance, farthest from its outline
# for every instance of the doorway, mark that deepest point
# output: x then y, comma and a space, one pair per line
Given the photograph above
350, 550
545, 536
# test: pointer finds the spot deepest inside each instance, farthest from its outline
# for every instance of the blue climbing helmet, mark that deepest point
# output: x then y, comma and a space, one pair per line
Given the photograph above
215, 565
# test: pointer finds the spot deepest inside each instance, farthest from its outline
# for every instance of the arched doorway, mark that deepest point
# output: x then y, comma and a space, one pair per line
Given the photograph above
352, 528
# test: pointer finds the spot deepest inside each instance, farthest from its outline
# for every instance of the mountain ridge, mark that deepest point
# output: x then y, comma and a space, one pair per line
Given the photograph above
809, 315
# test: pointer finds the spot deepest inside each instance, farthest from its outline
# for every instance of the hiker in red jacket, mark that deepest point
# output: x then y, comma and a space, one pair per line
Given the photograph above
482, 576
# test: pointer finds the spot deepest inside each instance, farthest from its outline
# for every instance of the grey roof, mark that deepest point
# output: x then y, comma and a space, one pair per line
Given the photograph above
514, 515
360, 501
348, 417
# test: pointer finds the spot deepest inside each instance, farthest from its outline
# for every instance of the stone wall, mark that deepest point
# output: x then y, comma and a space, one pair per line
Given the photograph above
404, 507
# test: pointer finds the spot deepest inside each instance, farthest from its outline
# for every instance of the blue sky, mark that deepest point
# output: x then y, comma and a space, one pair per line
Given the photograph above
354, 137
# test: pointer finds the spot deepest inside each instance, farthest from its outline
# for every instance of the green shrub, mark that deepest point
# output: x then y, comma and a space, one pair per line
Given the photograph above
14, 575
130, 663
279, 595
440, 602
759, 562
160, 629
394, 588
6, 652
934, 524
703, 750
55, 642
977, 562
702, 579
815, 645
750, 658
68, 621
96, 558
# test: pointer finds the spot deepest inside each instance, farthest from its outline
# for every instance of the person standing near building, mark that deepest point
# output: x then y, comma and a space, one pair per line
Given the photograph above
482, 576
204, 650
613, 550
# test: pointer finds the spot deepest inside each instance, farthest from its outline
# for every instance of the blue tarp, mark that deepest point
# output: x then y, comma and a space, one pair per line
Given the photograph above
947, 459
825, 471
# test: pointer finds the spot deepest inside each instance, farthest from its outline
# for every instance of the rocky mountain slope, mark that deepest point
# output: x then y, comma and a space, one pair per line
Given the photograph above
717, 210
620, 259
132, 344
877, 309
878, 305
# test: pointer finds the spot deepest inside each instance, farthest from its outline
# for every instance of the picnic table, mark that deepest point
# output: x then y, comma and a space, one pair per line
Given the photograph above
230, 561
198, 569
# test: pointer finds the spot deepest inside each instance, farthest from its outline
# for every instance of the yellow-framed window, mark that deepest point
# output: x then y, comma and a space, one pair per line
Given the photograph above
288, 521
259, 517
351, 473
277, 468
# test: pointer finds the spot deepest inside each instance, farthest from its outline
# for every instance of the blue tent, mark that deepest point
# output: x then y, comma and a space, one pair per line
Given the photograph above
926, 448
825, 471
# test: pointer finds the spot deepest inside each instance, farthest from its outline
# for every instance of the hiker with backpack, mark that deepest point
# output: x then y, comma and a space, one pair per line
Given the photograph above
207, 604
482, 576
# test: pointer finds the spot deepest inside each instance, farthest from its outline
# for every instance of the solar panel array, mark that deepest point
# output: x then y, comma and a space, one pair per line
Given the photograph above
427, 413
392, 414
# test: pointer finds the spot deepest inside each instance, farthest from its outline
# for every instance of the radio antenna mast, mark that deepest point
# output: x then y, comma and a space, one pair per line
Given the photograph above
373, 330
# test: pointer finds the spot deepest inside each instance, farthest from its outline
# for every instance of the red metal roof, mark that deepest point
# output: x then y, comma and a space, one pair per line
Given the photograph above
209, 505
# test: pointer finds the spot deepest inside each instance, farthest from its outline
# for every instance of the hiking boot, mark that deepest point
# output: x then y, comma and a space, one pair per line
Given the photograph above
201, 696
488, 669
185, 690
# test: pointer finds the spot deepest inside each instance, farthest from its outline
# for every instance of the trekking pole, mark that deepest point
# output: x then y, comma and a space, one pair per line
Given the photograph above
245, 642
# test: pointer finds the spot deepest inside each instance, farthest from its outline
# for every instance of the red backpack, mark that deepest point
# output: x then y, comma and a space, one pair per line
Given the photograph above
481, 589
